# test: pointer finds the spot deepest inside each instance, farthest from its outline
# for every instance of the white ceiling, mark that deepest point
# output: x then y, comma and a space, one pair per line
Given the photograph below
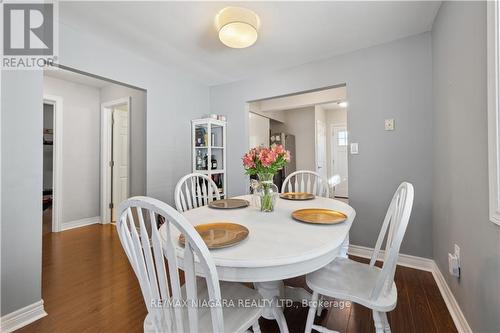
182, 34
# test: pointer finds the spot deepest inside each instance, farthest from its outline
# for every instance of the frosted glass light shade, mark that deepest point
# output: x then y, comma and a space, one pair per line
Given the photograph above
237, 27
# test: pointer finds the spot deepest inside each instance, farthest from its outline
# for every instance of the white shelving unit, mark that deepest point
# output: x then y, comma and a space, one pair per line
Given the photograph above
209, 142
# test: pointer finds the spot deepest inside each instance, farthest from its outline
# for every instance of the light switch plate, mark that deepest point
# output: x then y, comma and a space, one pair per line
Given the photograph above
354, 148
389, 124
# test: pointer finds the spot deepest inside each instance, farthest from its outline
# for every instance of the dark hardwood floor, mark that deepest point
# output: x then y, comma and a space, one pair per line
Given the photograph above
88, 286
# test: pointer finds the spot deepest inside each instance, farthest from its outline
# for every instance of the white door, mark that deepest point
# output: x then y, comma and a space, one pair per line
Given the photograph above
120, 158
340, 144
321, 149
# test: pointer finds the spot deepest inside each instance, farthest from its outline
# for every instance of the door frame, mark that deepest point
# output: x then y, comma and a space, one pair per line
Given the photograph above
57, 160
106, 153
316, 147
332, 147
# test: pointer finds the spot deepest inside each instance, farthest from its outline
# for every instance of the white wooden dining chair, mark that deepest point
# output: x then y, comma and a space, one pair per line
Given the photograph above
367, 284
172, 307
306, 181
195, 190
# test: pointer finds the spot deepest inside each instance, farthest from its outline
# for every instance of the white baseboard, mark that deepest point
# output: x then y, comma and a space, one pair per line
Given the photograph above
406, 260
451, 302
429, 265
22, 317
80, 223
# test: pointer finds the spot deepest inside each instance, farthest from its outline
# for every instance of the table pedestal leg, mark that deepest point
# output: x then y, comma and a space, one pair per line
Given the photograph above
273, 292
298, 294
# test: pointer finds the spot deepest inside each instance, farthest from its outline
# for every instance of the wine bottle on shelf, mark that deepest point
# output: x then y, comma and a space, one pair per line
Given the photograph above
220, 186
199, 160
200, 137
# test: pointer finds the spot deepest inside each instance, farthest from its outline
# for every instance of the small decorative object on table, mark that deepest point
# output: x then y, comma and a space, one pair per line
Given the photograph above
265, 163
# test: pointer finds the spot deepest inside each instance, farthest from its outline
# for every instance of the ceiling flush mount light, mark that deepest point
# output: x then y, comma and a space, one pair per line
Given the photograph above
342, 104
237, 27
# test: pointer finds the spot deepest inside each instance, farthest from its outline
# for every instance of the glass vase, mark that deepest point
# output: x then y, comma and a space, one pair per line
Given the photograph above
266, 192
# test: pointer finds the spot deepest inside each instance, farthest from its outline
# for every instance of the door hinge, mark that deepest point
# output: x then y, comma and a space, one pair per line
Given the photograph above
111, 163
111, 205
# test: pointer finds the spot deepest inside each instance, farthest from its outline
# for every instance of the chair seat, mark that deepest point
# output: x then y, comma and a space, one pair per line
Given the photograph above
237, 318
353, 281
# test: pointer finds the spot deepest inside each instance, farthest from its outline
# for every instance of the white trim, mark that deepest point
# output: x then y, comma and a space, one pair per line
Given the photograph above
106, 141
105, 169
429, 265
22, 317
493, 109
451, 303
406, 260
80, 223
57, 163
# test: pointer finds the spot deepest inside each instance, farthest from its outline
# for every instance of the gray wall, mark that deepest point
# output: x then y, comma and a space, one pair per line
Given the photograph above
460, 196
388, 81
21, 212
300, 122
81, 148
137, 133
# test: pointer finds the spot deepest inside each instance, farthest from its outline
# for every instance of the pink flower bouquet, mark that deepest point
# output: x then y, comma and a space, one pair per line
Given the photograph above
265, 162
261, 160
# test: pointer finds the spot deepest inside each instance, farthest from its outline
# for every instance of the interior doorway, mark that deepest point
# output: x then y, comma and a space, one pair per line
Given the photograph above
321, 151
304, 123
52, 163
48, 166
340, 140
78, 169
116, 155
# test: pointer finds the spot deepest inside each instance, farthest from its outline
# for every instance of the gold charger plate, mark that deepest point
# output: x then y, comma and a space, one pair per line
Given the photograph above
297, 196
228, 204
319, 216
219, 234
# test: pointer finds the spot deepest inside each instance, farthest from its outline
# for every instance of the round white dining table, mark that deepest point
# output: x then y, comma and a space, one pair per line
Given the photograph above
277, 247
